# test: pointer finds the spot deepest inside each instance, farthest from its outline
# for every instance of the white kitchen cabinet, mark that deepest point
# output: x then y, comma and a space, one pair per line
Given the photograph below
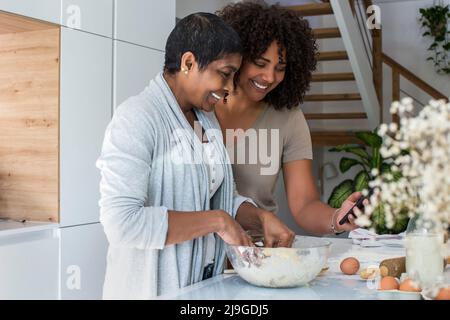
134, 67
29, 265
87, 15
47, 10
85, 111
144, 22
83, 261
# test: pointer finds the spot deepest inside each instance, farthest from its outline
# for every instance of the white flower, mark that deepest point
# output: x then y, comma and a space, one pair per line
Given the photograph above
383, 129
393, 127
424, 171
406, 101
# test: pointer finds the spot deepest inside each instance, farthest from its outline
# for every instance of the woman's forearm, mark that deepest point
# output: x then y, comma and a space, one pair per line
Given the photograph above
315, 217
184, 226
249, 216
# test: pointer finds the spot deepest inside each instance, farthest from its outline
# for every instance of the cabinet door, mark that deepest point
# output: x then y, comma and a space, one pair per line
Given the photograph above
29, 265
144, 22
85, 111
134, 67
83, 261
47, 10
87, 15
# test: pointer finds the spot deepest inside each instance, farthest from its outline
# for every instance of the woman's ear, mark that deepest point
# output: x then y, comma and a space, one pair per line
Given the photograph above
187, 62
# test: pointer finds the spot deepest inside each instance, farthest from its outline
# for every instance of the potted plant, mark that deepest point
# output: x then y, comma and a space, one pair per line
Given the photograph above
435, 21
367, 156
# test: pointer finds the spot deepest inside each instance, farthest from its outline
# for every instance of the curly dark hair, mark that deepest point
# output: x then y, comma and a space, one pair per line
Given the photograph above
258, 25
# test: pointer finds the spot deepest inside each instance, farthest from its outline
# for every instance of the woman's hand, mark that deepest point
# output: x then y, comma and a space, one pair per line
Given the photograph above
346, 206
231, 232
276, 233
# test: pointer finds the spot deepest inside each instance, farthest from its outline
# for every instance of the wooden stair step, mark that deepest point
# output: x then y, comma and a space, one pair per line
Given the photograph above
323, 33
333, 138
333, 97
332, 55
312, 9
322, 77
335, 116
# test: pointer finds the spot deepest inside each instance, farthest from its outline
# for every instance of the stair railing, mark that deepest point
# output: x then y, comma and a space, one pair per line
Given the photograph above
398, 71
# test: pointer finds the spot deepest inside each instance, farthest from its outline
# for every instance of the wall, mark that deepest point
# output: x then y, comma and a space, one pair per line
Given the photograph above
186, 7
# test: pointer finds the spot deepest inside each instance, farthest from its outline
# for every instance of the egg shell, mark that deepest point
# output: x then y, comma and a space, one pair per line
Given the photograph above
350, 265
389, 283
444, 294
409, 285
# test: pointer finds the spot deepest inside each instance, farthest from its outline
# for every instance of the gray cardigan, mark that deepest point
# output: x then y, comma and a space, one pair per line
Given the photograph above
141, 179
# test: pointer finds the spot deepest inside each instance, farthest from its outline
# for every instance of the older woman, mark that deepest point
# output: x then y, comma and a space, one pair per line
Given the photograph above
168, 201
279, 56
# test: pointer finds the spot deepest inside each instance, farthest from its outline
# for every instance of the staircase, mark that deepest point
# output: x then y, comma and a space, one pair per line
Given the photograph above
366, 75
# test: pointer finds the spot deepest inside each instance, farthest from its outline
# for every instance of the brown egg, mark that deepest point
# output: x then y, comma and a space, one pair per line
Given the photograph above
389, 283
350, 265
444, 294
409, 285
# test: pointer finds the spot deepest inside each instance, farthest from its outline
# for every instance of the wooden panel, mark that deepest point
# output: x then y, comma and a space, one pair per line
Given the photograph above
331, 55
312, 9
11, 23
335, 116
323, 33
332, 97
395, 91
333, 138
378, 67
29, 118
322, 77
47, 10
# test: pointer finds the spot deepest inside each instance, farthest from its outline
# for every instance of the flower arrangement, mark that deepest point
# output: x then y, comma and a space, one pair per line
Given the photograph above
419, 183
371, 162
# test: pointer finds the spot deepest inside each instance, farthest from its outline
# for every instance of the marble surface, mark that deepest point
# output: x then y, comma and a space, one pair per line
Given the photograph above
331, 285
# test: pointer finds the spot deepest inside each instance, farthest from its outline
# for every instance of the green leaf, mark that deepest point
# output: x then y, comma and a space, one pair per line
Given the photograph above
361, 181
370, 138
346, 163
342, 147
355, 149
378, 220
340, 193
429, 58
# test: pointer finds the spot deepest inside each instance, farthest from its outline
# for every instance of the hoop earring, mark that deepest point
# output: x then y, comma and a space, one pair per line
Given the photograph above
225, 98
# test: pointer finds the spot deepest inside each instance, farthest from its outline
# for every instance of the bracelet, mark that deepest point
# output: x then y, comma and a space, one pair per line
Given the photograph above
333, 227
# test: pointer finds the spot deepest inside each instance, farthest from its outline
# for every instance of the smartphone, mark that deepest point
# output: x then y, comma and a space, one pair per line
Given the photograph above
359, 204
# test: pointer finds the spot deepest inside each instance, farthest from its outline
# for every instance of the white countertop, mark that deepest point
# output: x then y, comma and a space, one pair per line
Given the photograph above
11, 227
332, 285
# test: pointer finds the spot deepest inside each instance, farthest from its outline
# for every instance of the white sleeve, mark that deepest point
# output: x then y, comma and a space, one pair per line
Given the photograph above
125, 165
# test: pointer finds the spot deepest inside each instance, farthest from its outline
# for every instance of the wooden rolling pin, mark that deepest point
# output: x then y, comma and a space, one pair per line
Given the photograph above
396, 266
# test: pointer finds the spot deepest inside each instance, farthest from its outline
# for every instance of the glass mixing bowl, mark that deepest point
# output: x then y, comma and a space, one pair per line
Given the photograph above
281, 267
